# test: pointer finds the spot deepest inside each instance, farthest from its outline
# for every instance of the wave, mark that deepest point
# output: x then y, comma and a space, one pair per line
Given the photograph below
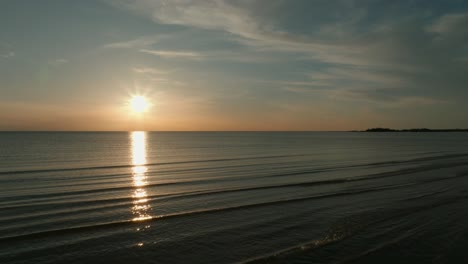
217, 210
148, 164
348, 227
127, 201
18, 200
432, 158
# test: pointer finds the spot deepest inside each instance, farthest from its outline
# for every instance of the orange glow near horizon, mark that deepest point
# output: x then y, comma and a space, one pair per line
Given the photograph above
141, 206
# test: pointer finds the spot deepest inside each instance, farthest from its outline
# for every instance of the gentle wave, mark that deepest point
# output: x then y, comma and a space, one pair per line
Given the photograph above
147, 164
216, 210
17, 198
338, 233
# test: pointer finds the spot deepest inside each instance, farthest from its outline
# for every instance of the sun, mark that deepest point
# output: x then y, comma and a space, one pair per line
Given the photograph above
139, 104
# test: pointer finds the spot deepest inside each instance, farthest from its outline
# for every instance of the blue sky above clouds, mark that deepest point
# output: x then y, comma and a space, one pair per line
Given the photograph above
234, 65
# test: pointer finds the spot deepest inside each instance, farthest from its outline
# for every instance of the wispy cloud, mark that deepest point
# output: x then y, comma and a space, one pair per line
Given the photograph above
257, 31
141, 42
388, 100
412, 54
450, 23
152, 75
8, 54
149, 70
173, 54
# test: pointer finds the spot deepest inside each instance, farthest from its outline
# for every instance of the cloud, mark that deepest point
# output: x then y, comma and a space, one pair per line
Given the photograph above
450, 24
149, 70
173, 54
151, 76
8, 54
216, 15
356, 48
135, 43
246, 26
386, 100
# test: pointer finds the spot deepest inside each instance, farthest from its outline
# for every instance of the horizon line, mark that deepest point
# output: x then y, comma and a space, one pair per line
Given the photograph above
2, 131
126, 131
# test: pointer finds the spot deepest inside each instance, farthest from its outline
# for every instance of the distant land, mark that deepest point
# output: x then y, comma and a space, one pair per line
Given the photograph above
380, 129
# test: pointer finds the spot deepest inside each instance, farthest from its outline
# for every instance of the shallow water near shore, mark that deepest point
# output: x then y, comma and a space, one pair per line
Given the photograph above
233, 197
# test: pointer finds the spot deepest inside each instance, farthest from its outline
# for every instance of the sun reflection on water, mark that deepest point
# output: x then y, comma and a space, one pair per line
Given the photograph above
141, 206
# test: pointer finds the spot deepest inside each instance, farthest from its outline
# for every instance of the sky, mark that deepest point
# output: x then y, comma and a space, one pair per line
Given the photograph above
233, 65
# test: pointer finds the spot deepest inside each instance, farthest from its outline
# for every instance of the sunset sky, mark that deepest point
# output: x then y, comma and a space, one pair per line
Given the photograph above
233, 65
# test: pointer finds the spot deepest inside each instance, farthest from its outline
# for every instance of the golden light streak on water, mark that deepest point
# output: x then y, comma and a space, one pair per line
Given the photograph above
141, 206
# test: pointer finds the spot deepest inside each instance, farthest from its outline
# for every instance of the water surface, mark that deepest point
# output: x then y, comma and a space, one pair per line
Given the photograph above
230, 197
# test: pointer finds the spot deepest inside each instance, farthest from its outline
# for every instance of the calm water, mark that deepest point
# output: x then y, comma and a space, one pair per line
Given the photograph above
233, 197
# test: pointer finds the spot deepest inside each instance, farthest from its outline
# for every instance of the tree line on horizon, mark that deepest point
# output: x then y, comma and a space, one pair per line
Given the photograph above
381, 129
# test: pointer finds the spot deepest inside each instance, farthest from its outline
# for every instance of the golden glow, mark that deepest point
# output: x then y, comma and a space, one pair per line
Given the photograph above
141, 206
138, 152
139, 104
